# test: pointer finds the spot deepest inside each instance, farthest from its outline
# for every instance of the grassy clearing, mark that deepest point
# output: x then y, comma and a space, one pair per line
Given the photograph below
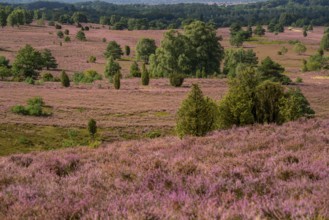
265, 41
24, 138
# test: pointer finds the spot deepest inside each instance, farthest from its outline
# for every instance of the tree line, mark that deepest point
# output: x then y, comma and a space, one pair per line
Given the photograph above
275, 13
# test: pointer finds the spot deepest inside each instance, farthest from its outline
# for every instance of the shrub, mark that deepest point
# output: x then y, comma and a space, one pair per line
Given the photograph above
104, 40
48, 77
34, 107
5, 72
134, 70
67, 39
49, 60
30, 80
116, 81
144, 48
127, 50
197, 114
66, 32
299, 80
250, 99
65, 80
92, 128
88, 76
86, 28
299, 48
325, 42
92, 59
145, 76
60, 34
113, 50
4, 61
81, 36
57, 26
271, 70
112, 67
294, 105
51, 23
176, 80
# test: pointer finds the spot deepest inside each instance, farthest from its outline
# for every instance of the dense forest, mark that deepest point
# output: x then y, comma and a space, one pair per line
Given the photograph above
284, 12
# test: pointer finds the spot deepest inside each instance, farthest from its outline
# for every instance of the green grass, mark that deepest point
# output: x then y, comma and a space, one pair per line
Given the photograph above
24, 138
264, 41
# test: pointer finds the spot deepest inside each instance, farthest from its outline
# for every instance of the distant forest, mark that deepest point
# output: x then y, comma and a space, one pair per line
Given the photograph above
296, 13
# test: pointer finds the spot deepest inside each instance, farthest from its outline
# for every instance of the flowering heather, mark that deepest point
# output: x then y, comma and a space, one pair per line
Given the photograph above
268, 172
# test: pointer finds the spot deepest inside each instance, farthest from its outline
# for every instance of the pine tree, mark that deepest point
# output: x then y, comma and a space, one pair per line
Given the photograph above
49, 60
145, 76
127, 50
65, 79
325, 42
197, 114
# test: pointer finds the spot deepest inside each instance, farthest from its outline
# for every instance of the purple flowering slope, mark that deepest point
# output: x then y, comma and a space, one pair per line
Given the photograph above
269, 172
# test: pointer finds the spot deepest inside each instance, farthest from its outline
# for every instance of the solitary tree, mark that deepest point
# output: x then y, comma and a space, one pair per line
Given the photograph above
197, 114
49, 60
81, 36
92, 128
27, 63
65, 79
113, 49
259, 30
145, 47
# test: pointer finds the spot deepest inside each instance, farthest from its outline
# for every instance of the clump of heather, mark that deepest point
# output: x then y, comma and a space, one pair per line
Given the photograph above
260, 171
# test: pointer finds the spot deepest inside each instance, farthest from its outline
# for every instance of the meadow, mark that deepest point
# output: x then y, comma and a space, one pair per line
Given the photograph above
141, 170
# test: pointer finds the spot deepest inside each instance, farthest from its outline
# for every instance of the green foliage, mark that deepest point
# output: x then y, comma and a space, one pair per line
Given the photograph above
66, 32
305, 33
250, 100
325, 42
67, 39
127, 50
81, 36
259, 30
316, 62
18, 17
57, 26
145, 76
112, 67
198, 48
5, 72
30, 80
116, 81
92, 128
79, 17
27, 62
197, 114
234, 58
49, 60
104, 40
113, 50
92, 59
299, 48
48, 77
144, 48
65, 80
88, 76
134, 70
283, 51
4, 61
176, 80
299, 80
294, 105
60, 34
34, 108
268, 95
270, 70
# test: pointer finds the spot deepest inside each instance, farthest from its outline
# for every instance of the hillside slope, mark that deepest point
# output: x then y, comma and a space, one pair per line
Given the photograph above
274, 172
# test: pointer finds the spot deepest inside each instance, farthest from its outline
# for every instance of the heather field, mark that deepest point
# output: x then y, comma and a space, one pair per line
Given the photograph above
258, 172
136, 167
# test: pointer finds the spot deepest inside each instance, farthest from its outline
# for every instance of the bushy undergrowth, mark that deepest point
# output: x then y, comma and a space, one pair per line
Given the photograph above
88, 76
257, 172
35, 107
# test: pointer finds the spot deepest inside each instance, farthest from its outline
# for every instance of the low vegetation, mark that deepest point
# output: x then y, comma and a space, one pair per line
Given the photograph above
35, 107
